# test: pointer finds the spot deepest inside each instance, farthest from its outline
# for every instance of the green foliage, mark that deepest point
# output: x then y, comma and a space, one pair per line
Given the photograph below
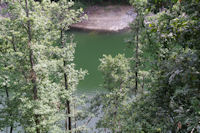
171, 101
139, 43
116, 79
169, 106
32, 65
38, 78
115, 71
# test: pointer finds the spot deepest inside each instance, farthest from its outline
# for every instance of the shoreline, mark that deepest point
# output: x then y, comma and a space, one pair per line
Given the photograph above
111, 18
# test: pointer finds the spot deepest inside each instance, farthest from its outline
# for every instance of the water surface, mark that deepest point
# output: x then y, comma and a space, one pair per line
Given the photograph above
91, 46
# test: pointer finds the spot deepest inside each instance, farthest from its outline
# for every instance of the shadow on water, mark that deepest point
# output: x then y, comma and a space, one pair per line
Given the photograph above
91, 46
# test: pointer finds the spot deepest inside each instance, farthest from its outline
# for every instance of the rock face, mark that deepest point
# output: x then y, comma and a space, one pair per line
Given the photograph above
108, 18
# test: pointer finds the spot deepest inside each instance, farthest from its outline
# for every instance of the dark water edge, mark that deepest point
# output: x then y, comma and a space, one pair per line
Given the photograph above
99, 31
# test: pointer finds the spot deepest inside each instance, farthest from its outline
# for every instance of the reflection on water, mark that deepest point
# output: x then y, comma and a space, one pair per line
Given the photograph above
90, 47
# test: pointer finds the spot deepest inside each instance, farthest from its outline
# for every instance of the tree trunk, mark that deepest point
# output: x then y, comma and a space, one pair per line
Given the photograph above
137, 58
69, 118
31, 59
10, 114
11, 129
68, 126
75, 126
13, 43
8, 99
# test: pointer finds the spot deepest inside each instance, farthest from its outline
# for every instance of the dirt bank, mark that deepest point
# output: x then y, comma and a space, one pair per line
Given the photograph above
107, 18
111, 18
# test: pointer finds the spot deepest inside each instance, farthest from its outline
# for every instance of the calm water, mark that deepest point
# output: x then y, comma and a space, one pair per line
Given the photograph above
90, 47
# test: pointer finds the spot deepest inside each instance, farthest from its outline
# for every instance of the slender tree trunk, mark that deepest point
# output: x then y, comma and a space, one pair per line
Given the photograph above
69, 118
13, 43
143, 82
11, 129
14, 48
137, 58
68, 126
10, 114
115, 114
75, 126
31, 59
7, 93
8, 98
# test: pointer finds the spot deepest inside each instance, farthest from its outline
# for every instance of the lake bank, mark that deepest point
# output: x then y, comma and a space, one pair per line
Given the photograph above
111, 18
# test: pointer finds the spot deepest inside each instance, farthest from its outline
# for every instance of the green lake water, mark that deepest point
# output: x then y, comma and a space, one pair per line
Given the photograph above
91, 46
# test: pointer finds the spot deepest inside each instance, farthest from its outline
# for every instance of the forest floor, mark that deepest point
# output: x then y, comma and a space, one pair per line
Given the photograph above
112, 18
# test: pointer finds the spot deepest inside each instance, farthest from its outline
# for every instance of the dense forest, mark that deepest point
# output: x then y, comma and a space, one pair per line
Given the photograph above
156, 90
